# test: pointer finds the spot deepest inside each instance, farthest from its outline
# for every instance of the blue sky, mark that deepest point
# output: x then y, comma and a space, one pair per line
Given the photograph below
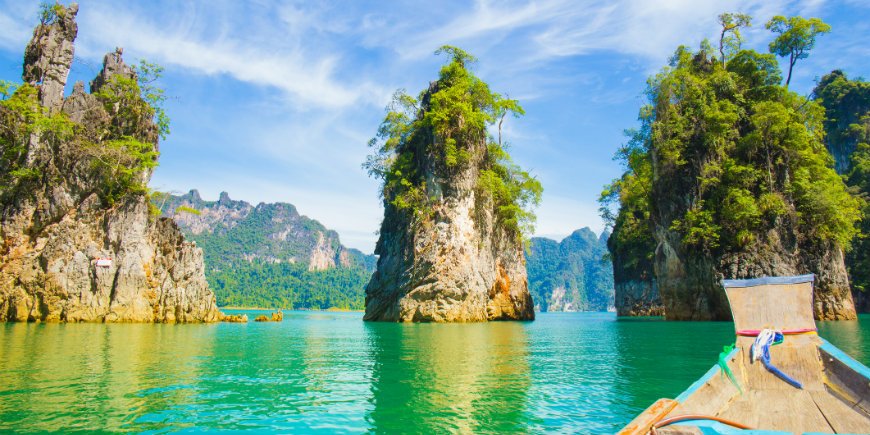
276, 100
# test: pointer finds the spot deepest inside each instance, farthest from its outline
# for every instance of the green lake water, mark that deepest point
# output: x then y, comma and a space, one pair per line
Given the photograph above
331, 372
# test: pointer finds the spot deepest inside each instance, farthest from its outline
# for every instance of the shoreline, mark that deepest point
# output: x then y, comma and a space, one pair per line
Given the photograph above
332, 309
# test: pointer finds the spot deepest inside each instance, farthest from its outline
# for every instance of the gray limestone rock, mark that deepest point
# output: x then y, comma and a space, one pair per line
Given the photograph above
458, 265
49, 54
67, 254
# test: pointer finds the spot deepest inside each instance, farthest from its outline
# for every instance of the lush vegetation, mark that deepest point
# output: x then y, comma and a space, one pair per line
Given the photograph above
22, 118
115, 155
446, 127
242, 283
738, 151
847, 123
573, 274
258, 256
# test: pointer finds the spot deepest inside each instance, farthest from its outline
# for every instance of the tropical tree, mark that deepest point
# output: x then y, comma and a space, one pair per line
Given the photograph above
731, 23
797, 36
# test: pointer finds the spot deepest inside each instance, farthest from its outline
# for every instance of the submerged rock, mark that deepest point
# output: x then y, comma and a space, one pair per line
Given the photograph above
234, 318
76, 247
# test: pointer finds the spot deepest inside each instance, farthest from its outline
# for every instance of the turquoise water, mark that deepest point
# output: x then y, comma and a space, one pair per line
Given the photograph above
331, 372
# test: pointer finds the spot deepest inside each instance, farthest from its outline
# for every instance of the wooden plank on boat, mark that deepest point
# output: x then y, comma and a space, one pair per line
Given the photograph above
643, 422
797, 357
711, 397
772, 306
792, 411
845, 381
842, 417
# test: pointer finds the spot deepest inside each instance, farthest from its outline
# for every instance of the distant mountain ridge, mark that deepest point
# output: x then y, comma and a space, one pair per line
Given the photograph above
268, 254
270, 232
572, 275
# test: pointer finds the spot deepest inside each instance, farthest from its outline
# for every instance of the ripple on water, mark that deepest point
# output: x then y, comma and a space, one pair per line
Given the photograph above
331, 372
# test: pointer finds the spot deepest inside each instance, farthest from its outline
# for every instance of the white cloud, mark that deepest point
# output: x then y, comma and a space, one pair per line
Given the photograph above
263, 57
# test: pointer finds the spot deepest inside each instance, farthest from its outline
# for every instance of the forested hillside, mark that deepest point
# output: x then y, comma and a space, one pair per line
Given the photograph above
729, 175
571, 275
847, 128
269, 255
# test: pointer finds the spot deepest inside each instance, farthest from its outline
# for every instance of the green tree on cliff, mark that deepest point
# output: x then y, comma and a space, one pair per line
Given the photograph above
797, 36
442, 125
117, 158
730, 37
745, 153
847, 124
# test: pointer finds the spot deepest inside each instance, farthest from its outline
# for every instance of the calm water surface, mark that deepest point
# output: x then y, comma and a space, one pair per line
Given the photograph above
331, 372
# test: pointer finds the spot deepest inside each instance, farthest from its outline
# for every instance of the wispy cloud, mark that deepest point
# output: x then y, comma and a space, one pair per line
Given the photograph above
298, 87
263, 56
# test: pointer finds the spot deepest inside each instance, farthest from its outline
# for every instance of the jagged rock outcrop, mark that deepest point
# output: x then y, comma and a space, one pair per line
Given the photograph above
60, 213
458, 268
712, 218
49, 55
448, 257
727, 178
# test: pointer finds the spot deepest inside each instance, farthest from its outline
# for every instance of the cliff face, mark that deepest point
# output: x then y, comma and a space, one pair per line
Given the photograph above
58, 213
636, 292
847, 128
571, 275
754, 208
727, 177
273, 233
449, 256
456, 268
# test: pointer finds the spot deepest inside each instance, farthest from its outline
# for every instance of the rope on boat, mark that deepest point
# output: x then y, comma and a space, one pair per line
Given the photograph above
679, 418
755, 332
723, 364
760, 350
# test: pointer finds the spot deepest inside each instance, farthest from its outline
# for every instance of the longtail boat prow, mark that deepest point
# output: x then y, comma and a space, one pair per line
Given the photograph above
779, 378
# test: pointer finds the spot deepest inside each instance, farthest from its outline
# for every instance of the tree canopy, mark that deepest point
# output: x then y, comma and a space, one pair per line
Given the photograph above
448, 124
797, 36
746, 155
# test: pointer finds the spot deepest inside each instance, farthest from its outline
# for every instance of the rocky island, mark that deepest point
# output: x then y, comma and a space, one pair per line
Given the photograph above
451, 243
728, 177
80, 239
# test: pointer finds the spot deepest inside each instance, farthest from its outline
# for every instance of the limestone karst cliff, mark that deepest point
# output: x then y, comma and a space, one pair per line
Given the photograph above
74, 172
727, 177
847, 127
450, 246
268, 254
571, 275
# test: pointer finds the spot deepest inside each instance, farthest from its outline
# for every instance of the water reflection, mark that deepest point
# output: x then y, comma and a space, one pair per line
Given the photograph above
573, 371
331, 372
91, 376
439, 378
849, 336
